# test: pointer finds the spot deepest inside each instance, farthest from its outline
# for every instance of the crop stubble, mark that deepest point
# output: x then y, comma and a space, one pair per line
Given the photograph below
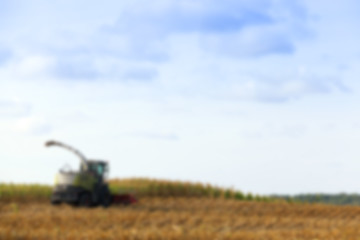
181, 218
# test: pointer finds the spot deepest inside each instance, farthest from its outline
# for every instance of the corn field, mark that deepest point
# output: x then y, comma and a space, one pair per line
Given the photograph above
141, 187
144, 187
24, 192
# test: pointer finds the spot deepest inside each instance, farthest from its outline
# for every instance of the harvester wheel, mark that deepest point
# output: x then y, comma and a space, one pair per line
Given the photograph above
55, 203
85, 200
106, 201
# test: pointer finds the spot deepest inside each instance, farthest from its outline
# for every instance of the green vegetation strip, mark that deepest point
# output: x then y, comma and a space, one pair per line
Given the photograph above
159, 188
24, 192
141, 187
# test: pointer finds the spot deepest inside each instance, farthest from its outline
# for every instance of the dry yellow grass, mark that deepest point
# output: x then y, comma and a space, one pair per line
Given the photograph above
181, 218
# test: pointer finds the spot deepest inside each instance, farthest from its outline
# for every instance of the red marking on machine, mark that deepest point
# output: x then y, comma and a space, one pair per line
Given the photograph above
125, 199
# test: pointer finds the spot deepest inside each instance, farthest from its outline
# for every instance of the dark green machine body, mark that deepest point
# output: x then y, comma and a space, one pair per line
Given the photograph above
86, 187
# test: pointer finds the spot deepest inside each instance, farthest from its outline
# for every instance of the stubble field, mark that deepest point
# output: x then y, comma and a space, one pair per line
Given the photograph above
181, 218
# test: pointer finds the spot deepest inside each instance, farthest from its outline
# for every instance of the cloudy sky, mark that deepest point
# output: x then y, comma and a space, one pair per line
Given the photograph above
259, 95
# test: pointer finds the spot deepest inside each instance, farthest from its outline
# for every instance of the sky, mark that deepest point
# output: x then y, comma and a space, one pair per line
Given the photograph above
258, 95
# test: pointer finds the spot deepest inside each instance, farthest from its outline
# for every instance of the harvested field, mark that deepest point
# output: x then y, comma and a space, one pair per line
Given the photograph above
181, 218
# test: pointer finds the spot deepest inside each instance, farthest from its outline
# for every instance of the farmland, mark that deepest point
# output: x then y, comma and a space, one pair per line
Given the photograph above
192, 216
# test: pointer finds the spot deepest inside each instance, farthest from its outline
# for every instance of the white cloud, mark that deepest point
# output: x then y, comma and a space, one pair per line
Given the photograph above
14, 108
5, 55
28, 66
145, 39
32, 125
152, 135
235, 28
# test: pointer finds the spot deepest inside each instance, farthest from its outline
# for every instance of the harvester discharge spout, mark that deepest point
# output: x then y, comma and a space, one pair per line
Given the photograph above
71, 149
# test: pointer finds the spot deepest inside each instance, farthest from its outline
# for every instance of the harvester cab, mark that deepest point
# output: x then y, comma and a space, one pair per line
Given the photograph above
97, 168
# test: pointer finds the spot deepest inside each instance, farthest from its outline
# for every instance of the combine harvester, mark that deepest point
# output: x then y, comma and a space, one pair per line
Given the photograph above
86, 187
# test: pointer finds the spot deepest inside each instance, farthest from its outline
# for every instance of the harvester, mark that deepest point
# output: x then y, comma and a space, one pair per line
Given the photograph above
86, 187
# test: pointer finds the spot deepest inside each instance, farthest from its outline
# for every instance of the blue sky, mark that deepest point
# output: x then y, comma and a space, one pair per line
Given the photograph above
258, 95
